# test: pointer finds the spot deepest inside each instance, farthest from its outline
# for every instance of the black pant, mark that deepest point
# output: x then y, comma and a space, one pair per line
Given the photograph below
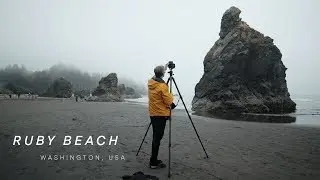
158, 126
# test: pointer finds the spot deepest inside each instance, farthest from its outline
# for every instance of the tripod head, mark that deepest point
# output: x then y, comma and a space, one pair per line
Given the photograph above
171, 73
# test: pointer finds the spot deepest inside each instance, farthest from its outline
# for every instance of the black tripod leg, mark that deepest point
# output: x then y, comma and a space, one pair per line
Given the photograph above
169, 164
169, 167
143, 139
189, 117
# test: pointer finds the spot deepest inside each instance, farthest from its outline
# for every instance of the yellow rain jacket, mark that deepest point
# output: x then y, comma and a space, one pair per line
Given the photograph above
160, 99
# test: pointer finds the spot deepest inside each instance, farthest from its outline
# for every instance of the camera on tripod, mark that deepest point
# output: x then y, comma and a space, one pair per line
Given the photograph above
171, 65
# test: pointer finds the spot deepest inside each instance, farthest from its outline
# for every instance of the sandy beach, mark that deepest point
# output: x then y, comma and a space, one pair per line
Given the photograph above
237, 149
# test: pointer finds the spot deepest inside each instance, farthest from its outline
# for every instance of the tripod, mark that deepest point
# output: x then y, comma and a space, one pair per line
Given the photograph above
170, 80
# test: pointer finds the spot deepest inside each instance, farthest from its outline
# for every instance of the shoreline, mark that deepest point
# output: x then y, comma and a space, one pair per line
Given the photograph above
236, 149
302, 117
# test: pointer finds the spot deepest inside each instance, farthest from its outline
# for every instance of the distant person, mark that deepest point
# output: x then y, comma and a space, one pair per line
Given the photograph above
10, 96
77, 98
160, 102
19, 95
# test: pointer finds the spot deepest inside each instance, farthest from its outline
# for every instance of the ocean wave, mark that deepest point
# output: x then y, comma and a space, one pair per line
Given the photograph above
302, 99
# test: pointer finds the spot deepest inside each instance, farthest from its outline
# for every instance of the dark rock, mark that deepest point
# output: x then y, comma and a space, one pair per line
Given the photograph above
139, 176
229, 20
243, 72
128, 92
82, 93
106, 84
60, 88
122, 89
107, 90
263, 118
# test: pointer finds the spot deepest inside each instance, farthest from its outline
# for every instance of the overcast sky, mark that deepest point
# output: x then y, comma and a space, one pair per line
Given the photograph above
131, 37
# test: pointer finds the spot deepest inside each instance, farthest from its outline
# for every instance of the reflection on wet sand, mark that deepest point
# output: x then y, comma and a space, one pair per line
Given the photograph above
266, 118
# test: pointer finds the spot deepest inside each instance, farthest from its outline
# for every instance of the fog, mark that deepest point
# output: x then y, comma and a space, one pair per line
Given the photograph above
132, 37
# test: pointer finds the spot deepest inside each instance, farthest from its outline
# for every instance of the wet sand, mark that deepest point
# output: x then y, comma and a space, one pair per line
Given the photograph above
237, 149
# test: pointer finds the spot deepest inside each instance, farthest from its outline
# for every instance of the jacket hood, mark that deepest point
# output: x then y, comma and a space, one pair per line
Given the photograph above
155, 82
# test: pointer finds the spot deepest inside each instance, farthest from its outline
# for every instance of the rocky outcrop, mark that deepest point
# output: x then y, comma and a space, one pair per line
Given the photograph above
106, 84
131, 93
107, 90
243, 72
82, 93
122, 89
128, 92
60, 88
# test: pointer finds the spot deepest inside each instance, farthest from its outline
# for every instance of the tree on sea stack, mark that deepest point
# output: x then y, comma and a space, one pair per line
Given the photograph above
243, 72
60, 88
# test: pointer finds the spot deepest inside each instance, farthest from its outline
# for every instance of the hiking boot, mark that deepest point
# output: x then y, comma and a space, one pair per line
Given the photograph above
157, 165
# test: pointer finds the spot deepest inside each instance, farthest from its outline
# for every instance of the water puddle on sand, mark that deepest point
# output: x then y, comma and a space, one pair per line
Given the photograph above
263, 118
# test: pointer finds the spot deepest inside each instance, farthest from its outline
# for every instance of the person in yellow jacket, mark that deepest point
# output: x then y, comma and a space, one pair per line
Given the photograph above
160, 103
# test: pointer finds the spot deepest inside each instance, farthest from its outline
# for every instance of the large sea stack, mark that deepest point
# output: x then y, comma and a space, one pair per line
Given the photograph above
107, 90
243, 72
